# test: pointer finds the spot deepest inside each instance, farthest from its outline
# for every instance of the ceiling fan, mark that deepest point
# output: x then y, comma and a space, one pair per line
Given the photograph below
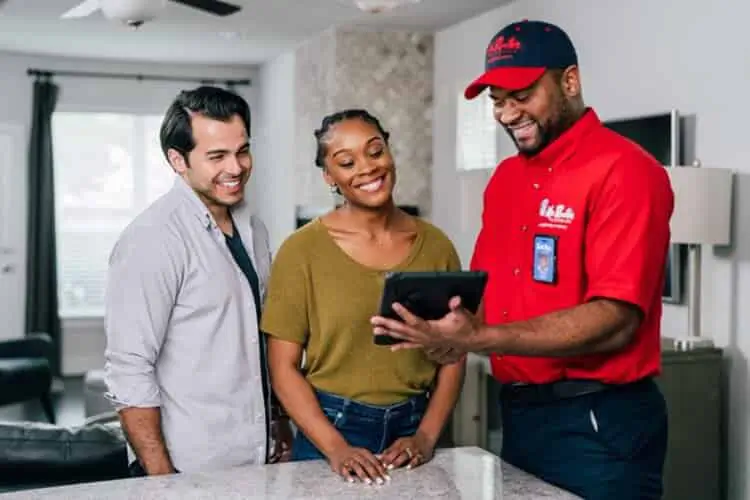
136, 12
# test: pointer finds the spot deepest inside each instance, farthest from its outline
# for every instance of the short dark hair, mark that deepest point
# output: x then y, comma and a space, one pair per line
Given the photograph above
340, 116
212, 102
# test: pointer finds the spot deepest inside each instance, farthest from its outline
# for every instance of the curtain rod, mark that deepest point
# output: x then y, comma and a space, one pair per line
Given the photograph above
136, 76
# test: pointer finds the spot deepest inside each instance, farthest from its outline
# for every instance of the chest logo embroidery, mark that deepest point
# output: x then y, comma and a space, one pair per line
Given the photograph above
554, 215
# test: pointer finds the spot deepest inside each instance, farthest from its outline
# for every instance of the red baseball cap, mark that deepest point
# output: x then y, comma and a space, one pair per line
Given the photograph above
520, 53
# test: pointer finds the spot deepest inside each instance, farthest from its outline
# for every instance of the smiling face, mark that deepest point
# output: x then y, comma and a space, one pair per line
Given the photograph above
220, 164
358, 161
537, 115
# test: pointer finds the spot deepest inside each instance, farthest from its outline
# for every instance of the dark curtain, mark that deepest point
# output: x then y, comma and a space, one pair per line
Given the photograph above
41, 263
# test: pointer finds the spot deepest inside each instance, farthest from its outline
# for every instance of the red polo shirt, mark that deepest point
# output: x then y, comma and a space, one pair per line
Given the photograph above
608, 204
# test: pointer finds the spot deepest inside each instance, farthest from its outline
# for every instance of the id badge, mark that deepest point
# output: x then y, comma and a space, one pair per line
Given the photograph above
545, 259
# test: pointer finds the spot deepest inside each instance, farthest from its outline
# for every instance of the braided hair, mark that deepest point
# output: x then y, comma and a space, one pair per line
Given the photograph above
321, 134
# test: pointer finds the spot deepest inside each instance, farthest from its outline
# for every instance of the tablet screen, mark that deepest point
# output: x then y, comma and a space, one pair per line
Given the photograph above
427, 294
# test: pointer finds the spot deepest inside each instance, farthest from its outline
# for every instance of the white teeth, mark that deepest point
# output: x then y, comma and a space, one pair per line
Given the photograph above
231, 184
523, 125
372, 186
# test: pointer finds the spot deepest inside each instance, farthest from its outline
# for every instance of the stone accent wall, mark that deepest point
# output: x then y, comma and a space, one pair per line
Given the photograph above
388, 73
314, 96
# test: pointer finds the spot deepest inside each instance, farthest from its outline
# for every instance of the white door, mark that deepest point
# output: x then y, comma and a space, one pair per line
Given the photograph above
13, 186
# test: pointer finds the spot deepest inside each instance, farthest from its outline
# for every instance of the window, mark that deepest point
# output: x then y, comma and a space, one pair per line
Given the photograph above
476, 139
108, 168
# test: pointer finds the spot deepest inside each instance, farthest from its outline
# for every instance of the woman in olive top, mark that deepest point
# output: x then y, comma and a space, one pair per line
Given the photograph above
363, 407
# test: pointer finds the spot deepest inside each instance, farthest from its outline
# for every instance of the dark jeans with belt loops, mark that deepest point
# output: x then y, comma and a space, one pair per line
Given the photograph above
606, 445
362, 425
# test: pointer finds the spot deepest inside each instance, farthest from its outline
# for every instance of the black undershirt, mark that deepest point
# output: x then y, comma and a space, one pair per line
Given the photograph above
241, 257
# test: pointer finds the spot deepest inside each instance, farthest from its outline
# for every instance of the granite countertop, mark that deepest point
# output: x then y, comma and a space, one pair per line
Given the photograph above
454, 473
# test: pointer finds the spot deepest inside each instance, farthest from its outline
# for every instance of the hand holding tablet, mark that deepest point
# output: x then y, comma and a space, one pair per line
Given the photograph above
426, 296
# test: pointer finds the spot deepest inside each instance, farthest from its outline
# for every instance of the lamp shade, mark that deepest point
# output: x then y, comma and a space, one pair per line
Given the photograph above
702, 205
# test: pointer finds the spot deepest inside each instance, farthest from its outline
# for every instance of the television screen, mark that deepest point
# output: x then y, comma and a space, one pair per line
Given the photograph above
659, 134
655, 134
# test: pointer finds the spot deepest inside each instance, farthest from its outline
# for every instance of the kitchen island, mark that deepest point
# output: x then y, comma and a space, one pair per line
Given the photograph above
454, 473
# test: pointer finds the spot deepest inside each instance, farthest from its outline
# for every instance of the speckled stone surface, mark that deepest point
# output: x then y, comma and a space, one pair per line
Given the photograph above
458, 473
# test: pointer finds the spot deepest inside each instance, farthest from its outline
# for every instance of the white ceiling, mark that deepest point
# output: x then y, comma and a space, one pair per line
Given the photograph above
261, 30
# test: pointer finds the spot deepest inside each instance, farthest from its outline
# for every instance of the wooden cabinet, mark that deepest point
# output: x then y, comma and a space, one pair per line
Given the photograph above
692, 385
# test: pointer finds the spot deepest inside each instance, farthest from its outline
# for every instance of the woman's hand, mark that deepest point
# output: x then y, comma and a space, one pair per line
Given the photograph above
352, 463
411, 451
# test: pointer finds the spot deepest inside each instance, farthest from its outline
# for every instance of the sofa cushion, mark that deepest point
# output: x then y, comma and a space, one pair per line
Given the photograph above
51, 454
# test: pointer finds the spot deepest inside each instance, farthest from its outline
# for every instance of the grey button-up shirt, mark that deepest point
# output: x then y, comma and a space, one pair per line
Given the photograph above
182, 331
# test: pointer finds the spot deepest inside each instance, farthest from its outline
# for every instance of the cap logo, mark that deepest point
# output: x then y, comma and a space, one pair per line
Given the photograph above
502, 48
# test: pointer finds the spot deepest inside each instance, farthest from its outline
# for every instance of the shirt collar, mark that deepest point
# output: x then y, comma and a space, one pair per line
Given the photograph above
200, 210
566, 144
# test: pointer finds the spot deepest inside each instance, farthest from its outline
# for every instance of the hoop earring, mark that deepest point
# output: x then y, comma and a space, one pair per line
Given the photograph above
335, 189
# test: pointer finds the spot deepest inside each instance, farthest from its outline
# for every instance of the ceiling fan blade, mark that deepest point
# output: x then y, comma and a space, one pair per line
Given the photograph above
216, 7
83, 9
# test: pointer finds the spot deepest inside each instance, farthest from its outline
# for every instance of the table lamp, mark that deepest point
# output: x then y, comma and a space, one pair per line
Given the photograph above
702, 216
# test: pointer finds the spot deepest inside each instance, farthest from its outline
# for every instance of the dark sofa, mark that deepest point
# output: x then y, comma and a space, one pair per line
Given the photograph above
25, 372
37, 454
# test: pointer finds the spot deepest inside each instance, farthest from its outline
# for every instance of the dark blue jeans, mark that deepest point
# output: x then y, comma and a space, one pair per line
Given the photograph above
605, 445
362, 425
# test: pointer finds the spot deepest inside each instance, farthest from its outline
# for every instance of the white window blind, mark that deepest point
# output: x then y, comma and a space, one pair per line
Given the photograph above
476, 129
108, 168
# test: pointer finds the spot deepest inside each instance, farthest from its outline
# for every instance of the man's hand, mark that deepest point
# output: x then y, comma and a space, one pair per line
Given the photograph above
281, 431
160, 470
411, 452
453, 331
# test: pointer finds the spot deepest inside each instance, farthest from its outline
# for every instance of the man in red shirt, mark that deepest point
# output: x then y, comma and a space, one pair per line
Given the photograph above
574, 238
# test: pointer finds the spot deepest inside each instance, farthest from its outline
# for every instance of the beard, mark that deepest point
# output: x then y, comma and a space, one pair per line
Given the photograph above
561, 120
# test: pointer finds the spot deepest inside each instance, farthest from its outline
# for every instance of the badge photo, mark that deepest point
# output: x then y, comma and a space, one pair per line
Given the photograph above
545, 259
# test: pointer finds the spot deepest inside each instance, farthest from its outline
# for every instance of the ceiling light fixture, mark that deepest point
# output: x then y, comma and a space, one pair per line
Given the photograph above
376, 6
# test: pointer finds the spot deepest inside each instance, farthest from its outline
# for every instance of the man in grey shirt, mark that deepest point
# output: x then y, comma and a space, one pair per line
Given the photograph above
185, 360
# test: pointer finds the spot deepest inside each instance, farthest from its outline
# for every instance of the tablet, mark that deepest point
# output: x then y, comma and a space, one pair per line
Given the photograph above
427, 294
